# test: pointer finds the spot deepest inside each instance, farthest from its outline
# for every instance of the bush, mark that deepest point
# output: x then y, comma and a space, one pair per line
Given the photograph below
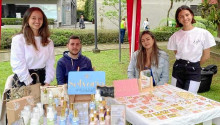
18, 21
163, 33
208, 25
6, 37
12, 21
61, 36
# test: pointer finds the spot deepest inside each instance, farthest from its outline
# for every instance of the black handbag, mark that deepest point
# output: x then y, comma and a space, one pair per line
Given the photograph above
212, 68
106, 91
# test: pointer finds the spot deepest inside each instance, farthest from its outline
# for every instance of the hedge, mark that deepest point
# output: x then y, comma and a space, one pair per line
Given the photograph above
61, 36
18, 21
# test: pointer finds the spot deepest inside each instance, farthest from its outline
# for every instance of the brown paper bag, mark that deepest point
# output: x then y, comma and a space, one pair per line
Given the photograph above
14, 107
30, 90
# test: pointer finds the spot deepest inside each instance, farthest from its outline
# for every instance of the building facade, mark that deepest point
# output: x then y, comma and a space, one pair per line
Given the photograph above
63, 11
154, 10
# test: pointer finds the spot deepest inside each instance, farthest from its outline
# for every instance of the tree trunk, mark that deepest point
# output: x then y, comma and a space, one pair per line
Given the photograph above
218, 30
168, 13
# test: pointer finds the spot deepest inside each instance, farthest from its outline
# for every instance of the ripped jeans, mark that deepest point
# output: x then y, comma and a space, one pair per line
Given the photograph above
186, 75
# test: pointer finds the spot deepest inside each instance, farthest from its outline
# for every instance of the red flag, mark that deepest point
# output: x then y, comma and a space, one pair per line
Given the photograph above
130, 6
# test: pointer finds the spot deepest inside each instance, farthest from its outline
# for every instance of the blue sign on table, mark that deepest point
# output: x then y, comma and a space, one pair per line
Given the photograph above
84, 82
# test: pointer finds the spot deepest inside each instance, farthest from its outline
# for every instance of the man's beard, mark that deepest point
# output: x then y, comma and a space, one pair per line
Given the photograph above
74, 53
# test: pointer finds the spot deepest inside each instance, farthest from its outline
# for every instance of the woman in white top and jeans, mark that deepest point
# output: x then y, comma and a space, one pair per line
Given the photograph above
191, 46
146, 24
32, 51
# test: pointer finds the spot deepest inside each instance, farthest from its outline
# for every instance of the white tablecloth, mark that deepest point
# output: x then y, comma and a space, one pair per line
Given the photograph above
168, 105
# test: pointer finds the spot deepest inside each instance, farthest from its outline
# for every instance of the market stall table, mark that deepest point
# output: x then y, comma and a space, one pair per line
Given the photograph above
169, 105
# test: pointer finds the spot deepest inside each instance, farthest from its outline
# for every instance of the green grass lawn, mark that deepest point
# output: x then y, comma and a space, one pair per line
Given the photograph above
216, 49
108, 61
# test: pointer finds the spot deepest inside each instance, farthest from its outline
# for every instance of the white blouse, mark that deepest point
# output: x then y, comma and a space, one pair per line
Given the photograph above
25, 57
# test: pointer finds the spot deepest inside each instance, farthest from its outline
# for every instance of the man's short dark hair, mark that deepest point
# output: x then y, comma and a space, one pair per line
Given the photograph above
73, 37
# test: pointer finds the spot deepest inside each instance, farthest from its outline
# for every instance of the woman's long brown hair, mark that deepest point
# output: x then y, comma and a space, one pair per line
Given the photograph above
29, 34
142, 55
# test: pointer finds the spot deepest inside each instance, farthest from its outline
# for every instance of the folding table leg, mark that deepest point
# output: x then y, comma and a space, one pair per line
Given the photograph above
216, 121
207, 122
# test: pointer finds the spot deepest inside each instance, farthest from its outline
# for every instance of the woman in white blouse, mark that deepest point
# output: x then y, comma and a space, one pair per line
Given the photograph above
32, 51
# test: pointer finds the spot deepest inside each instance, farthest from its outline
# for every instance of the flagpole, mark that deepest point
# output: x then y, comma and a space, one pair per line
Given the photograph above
119, 30
0, 22
133, 26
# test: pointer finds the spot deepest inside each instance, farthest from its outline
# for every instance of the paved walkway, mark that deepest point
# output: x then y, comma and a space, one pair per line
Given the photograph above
5, 54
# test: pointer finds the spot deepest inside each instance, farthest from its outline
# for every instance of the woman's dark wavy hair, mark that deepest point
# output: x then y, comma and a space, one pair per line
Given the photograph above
29, 34
183, 7
142, 55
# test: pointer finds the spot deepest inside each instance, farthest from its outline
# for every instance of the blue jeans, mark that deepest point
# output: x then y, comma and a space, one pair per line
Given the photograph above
122, 35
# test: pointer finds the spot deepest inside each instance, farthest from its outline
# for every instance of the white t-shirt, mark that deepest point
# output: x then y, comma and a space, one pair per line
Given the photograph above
190, 44
25, 57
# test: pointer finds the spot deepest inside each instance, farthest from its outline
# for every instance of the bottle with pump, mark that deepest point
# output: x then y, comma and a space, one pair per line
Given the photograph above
27, 110
101, 112
36, 113
34, 121
75, 120
66, 108
91, 111
95, 118
25, 117
102, 121
61, 101
92, 102
56, 100
97, 98
50, 102
50, 116
41, 113
108, 117
92, 120
104, 104
62, 117
70, 116
34, 117
55, 113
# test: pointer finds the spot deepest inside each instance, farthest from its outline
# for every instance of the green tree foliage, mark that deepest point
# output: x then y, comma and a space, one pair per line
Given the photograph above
89, 10
212, 13
110, 10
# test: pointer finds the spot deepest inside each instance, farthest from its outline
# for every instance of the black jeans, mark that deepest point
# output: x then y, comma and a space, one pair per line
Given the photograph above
40, 72
184, 71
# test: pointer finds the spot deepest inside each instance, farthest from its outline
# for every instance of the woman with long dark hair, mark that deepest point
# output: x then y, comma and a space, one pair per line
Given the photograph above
149, 56
32, 51
191, 46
